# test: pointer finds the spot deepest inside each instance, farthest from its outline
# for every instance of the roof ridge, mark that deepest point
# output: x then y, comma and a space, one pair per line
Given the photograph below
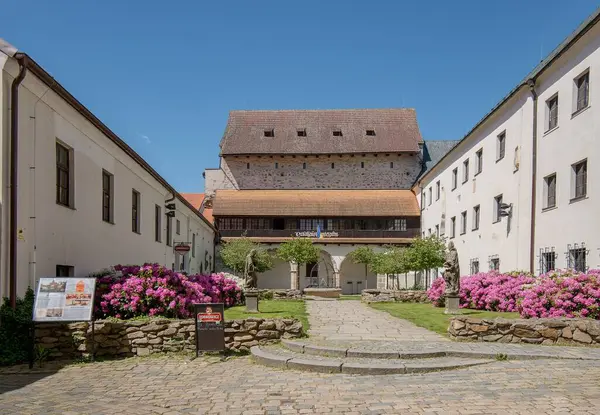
329, 109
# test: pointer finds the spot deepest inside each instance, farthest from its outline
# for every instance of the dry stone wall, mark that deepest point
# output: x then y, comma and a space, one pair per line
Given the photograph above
535, 331
141, 338
386, 296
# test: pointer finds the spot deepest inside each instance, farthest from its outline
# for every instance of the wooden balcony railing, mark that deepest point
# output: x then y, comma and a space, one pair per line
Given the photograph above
348, 233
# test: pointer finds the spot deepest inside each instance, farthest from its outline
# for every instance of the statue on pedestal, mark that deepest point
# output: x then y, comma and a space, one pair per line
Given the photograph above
250, 271
452, 272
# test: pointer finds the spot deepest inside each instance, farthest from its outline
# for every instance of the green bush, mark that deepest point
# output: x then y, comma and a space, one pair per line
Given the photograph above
14, 330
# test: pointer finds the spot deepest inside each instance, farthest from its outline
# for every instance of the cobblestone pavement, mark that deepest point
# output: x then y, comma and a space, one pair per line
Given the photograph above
352, 320
237, 386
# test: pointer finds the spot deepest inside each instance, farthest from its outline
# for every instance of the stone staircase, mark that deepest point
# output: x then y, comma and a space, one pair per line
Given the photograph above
331, 359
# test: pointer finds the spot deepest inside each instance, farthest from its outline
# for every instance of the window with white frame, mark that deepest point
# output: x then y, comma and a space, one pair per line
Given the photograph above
437, 190
479, 161
430, 195
500, 145
552, 113
582, 91
465, 171
497, 204
463, 222
547, 260
474, 266
452, 226
437, 230
494, 263
579, 180
577, 257
454, 178
476, 218
550, 191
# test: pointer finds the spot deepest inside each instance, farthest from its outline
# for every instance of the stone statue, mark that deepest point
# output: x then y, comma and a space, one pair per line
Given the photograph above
250, 271
452, 272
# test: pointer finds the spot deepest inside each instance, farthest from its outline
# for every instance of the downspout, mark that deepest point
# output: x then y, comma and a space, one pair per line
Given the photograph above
14, 159
531, 84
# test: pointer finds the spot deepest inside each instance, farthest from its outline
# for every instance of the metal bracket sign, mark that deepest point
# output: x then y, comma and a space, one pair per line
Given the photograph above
210, 327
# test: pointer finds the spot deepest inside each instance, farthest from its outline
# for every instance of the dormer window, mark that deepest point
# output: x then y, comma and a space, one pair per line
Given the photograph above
301, 132
337, 133
371, 132
269, 133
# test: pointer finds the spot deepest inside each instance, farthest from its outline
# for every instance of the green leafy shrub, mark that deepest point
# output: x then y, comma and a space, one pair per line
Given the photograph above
14, 330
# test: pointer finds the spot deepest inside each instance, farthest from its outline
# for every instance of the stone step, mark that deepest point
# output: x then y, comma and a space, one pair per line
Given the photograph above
276, 356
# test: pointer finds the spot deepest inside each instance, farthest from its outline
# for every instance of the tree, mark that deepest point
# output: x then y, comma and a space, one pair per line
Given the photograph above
363, 255
299, 250
426, 253
391, 261
234, 253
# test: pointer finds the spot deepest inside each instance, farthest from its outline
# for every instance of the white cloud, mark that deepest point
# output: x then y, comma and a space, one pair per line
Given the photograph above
145, 138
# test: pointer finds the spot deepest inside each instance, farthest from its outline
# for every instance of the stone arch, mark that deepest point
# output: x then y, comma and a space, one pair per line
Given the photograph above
321, 274
277, 277
352, 277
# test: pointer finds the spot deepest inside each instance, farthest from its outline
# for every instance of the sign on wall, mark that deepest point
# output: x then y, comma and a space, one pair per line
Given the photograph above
210, 330
64, 299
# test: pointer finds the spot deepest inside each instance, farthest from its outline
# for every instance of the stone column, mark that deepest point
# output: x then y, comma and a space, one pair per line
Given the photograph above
294, 276
336, 278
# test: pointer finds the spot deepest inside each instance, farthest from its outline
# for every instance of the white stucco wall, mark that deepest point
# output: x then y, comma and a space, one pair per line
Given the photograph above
56, 235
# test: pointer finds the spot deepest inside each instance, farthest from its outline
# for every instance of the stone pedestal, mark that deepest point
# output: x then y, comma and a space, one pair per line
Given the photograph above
251, 301
452, 302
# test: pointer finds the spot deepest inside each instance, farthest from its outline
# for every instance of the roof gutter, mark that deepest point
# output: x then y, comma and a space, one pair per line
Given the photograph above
14, 160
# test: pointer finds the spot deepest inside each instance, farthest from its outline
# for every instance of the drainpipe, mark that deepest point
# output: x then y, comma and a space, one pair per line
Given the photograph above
531, 84
14, 151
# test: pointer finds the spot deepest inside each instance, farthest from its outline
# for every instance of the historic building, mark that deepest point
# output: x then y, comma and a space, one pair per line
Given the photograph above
521, 189
340, 177
75, 197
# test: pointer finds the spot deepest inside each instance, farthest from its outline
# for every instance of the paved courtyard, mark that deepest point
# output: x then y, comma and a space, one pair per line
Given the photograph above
178, 385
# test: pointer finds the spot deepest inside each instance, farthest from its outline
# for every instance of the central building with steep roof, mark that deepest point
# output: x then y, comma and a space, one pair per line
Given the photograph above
340, 177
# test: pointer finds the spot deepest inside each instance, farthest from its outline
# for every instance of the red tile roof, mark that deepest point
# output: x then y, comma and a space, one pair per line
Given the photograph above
396, 130
197, 200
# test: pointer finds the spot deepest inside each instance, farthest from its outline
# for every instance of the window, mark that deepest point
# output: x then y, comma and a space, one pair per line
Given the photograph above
497, 203
463, 222
501, 146
547, 260
135, 211
476, 218
157, 223
452, 226
396, 225
362, 164
552, 113
231, 223
269, 133
423, 199
333, 165
301, 132
577, 258
247, 166
454, 178
430, 195
337, 133
276, 165
550, 191
169, 231
494, 263
465, 171
582, 85
178, 227
258, 223
370, 132
193, 245
429, 232
437, 190
479, 162
579, 180
391, 164
65, 271
437, 230
304, 166
63, 175
107, 196
474, 266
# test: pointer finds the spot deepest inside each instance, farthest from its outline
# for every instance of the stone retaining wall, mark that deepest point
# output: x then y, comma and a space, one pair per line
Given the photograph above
403, 296
536, 331
140, 338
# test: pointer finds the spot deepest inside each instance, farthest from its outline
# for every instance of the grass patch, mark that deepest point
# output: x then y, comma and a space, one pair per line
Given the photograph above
272, 309
433, 318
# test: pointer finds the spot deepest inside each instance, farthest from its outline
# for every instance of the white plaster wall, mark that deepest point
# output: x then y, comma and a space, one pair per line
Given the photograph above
276, 278
56, 235
353, 279
576, 138
509, 242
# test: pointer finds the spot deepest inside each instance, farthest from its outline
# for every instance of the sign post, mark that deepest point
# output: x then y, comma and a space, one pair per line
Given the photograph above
63, 300
210, 330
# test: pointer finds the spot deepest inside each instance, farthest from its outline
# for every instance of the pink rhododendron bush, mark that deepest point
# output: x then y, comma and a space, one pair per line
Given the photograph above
556, 294
563, 294
153, 290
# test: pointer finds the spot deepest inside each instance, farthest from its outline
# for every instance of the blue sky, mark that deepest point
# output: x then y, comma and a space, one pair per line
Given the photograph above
164, 74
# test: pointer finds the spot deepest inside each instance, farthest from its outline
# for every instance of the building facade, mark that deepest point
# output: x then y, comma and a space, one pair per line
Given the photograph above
340, 177
85, 200
519, 191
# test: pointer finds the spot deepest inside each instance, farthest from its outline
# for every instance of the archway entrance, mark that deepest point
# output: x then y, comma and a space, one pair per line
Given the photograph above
353, 279
319, 274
